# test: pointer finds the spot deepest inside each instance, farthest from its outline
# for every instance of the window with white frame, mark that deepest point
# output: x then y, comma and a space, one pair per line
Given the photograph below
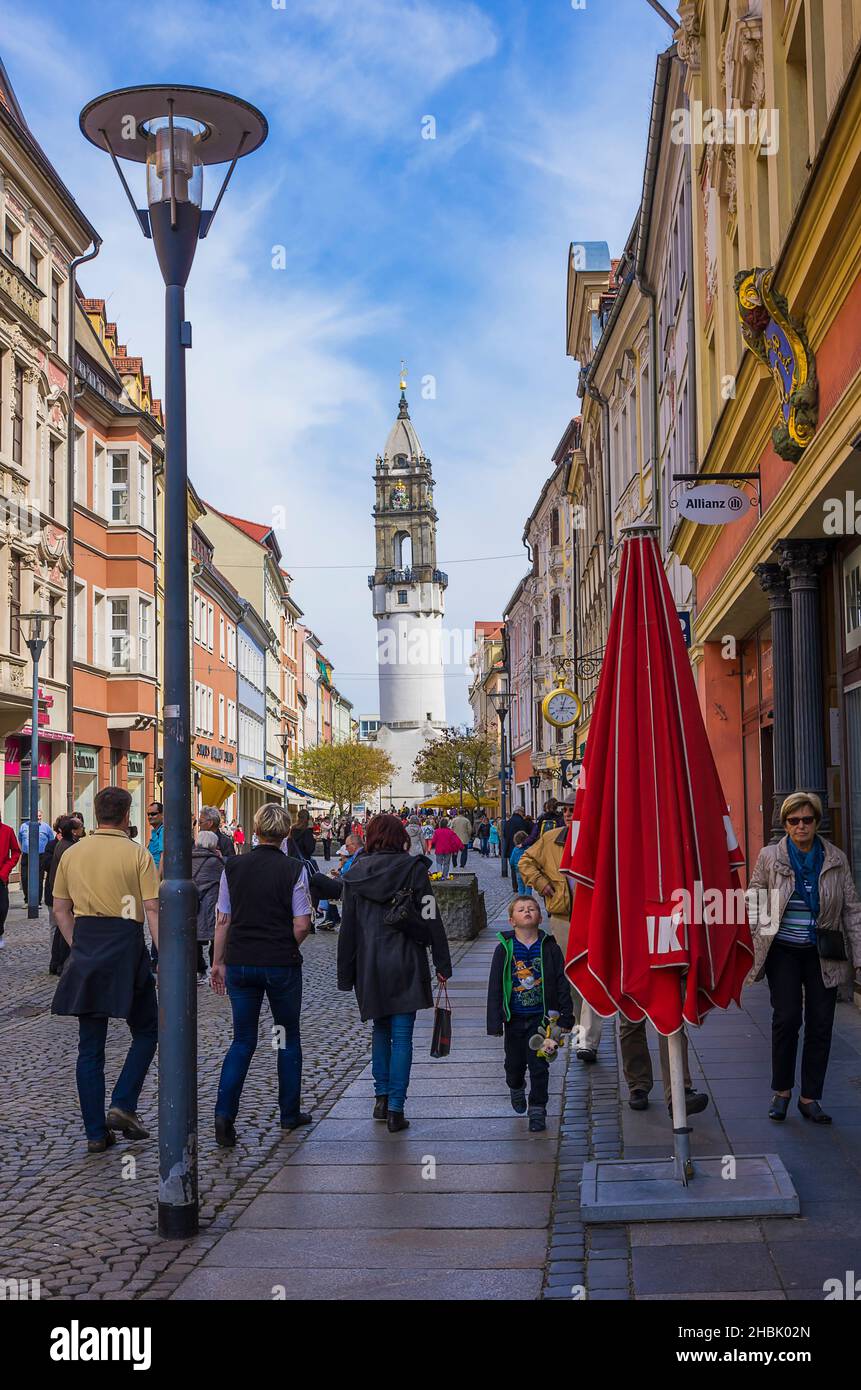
231, 721
144, 634
99, 605
80, 633
210, 627
119, 487
221, 725
210, 712
196, 707
231, 646
120, 635
79, 477
98, 474
196, 618
221, 646
143, 491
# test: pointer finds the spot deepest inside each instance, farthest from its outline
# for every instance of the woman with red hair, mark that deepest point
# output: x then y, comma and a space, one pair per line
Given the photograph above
389, 920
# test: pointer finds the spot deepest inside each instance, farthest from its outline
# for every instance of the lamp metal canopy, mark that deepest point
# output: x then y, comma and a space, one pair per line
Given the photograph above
117, 122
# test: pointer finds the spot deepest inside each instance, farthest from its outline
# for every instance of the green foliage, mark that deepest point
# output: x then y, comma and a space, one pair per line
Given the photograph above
437, 763
343, 773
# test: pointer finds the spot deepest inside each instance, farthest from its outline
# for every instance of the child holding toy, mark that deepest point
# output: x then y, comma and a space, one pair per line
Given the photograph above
529, 1004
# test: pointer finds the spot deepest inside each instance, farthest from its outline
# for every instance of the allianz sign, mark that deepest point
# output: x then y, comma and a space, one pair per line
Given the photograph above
713, 504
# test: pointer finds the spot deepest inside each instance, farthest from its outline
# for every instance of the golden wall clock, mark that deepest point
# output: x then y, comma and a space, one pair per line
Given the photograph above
562, 707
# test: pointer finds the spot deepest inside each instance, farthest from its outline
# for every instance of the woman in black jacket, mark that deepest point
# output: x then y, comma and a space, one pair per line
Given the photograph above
69, 830
207, 864
386, 965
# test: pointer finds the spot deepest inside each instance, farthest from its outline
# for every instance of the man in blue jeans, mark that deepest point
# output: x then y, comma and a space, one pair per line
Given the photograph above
263, 915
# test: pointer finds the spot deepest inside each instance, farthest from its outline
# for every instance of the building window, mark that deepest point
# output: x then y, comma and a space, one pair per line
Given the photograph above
221, 646
231, 721
35, 263
231, 646
539, 728
119, 487
80, 633
196, 618
54, 447
143, 497
98, 629
554, 526
10, 239
98, 470
210, 627
555, 615
210, 713
536, 638
221, 717
55, 313
18, 415
144, 634
79, 465
402, 596
120, 642
15, 605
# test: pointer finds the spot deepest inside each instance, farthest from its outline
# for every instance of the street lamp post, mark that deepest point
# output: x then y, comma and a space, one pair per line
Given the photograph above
502, 700
36, 642
284, 740
461, 760
175, 131
535, 783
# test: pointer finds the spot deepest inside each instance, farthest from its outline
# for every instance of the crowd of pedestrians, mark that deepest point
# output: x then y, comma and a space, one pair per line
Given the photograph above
257, 903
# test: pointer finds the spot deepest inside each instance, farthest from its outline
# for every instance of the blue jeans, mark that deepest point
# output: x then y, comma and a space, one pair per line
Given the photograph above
246, 986
392, 1057
90, 1069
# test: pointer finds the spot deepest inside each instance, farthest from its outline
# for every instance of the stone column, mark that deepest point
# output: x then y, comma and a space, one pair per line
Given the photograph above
802, 560
775, 585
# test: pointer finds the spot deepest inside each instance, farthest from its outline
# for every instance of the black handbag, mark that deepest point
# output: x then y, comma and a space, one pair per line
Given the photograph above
441, 1036
404, 916
830, 943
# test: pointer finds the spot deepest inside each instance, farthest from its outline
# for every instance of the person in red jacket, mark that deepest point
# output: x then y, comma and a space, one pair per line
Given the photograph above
10, 853
446, 844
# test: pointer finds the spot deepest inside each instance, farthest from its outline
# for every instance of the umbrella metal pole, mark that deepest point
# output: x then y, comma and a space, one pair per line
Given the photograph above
683, 1164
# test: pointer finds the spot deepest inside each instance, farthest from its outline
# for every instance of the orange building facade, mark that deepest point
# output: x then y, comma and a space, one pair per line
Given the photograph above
216, 612
119, 448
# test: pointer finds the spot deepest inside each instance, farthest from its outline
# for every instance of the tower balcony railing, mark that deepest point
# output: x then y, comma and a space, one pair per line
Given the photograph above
409, 576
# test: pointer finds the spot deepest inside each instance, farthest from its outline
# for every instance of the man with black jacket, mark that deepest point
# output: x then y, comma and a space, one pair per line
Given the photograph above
263, 915
210, 819
527, 982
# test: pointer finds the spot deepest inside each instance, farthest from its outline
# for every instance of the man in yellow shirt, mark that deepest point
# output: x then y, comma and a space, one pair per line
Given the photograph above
105, 886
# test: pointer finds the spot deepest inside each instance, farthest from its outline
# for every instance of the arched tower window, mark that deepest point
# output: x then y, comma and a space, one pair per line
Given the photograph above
401, 461
536, 638
403, 551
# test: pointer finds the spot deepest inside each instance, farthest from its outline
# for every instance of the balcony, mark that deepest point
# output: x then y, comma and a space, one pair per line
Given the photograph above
409, 576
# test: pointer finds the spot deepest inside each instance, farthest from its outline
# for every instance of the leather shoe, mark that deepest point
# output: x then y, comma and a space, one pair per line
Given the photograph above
381, 1108
587, 1055
779, 1107
397, 1120
126, 1122
812, 1110
695, 1102
300, 1120
225, 1133
639, 1100
98, 1146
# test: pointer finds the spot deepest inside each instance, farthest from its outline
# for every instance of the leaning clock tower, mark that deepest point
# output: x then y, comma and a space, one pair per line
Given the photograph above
409, 601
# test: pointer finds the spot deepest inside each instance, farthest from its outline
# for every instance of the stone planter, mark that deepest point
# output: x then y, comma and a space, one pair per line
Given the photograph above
461, 905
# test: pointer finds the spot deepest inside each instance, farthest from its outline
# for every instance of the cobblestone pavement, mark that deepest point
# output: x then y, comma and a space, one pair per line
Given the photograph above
85, 1225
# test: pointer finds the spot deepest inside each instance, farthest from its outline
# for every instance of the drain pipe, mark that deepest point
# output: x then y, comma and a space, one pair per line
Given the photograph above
70, 517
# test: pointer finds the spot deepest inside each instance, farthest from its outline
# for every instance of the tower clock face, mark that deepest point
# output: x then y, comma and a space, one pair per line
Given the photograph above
562, 708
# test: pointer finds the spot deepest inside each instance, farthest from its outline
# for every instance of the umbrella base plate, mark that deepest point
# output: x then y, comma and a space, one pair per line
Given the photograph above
724, 1186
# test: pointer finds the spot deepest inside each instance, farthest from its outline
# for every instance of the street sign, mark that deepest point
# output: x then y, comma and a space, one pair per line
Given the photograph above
714, 504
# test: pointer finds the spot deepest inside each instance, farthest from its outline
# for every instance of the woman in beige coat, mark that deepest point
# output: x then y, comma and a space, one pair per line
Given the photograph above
805, 918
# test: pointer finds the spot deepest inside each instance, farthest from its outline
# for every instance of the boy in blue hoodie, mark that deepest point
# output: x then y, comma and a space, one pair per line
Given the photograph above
527, 982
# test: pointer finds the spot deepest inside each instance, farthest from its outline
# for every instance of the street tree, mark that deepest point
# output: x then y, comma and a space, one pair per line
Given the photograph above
343, 773
437, 763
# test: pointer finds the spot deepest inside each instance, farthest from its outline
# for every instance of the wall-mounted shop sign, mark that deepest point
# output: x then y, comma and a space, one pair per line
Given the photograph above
216, 754
780, 343
714, 504
684, 615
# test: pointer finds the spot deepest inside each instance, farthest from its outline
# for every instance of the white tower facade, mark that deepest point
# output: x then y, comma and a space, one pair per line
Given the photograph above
409, 603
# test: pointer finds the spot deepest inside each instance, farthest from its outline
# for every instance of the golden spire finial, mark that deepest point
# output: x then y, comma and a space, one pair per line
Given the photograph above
403, 375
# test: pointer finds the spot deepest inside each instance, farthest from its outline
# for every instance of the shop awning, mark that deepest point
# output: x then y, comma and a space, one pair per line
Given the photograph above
297, 790
273, 792
214, 788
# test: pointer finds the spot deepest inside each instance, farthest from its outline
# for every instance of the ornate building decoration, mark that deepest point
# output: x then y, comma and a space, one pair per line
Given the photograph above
780, 343
688, 35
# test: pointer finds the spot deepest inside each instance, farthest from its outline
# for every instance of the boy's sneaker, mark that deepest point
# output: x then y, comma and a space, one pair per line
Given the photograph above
518, 1099
537, 1119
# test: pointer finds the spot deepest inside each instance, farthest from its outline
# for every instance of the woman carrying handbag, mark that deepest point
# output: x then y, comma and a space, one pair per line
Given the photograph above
805, 919
389, 919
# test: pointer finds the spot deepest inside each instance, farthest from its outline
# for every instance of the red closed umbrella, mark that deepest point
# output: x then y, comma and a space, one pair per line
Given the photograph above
658, 927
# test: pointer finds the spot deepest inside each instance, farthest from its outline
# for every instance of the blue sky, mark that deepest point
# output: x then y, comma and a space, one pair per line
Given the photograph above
449, 252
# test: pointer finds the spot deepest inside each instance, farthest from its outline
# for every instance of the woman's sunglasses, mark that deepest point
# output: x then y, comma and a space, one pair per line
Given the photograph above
800, 820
